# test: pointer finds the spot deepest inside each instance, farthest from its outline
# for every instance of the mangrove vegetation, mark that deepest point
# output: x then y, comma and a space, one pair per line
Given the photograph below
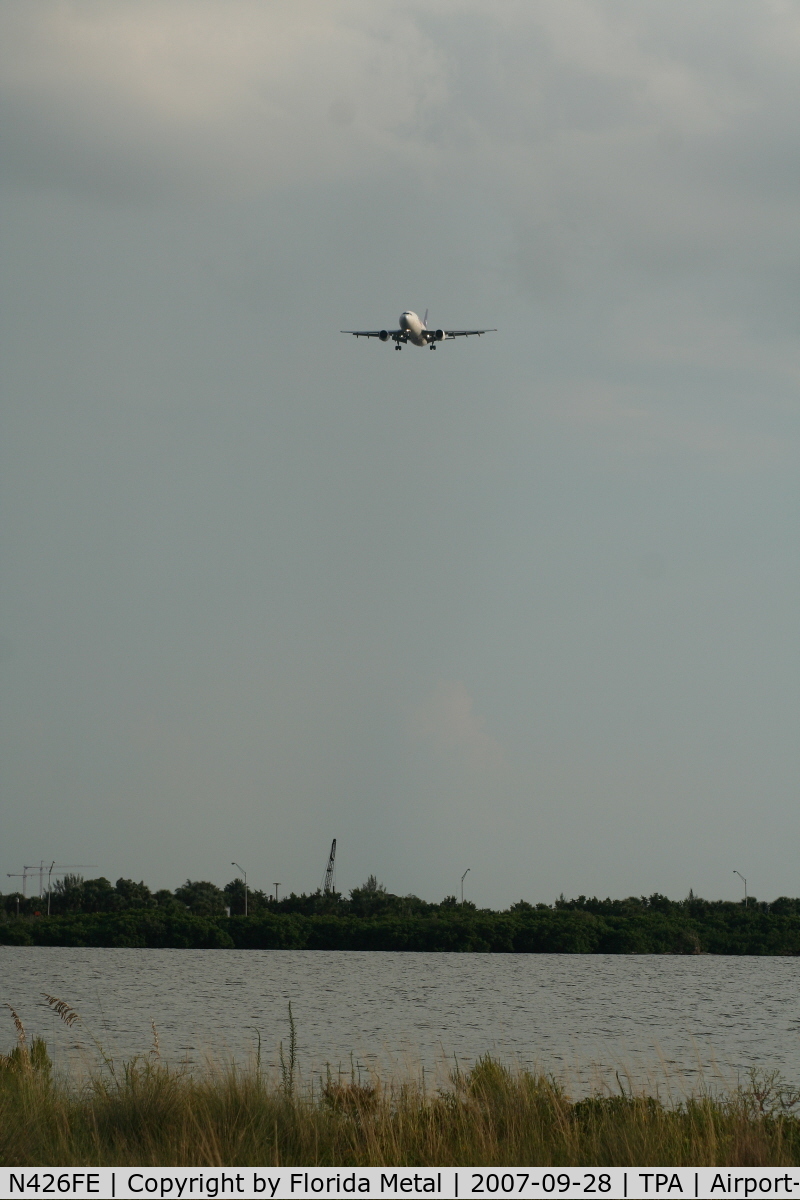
198, 914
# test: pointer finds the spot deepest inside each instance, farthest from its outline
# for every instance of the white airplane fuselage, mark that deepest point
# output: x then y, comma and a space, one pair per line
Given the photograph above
413, 328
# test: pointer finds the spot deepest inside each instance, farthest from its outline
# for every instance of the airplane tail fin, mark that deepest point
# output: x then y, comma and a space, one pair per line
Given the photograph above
425, 320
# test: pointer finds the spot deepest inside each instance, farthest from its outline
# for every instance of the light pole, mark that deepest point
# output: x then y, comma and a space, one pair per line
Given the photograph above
276, 886
463, 877
234, 864
744, 881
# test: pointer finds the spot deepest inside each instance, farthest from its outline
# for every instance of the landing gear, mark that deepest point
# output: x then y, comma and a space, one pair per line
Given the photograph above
432, 346
397, 346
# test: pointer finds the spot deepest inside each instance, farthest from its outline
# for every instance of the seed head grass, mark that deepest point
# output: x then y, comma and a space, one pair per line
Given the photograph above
146, 1112
149, 1114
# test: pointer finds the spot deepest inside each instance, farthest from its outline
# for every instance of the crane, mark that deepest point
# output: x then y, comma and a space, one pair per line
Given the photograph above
328, 887
23, 876
53, 869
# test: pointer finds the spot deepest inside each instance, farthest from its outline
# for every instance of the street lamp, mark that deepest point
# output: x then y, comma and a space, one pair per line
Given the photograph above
744, 881
235, 864
463, 877
276, 886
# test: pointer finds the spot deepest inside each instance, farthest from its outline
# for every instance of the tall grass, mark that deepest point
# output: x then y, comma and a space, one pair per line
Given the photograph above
146, 1113
151, 1115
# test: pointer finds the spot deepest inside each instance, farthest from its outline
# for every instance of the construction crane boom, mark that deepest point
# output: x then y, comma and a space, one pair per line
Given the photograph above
328, 887
53, 869
23, 876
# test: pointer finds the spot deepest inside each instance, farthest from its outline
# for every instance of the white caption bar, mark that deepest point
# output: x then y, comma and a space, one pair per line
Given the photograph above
613, 1183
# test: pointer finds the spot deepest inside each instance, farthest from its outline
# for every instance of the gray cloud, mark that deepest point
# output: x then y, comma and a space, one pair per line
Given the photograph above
240, 555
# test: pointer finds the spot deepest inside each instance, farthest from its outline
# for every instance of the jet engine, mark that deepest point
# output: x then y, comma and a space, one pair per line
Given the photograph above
438, 335
384, 335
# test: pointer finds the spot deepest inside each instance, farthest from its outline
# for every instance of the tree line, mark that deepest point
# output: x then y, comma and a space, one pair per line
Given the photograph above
199, 914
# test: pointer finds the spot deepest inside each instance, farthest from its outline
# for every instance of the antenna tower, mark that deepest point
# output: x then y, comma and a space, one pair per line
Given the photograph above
328, 887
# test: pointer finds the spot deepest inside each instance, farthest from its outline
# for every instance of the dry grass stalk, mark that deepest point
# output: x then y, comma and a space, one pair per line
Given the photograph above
22, 1037
65, 1011
354, 1098
20, 1058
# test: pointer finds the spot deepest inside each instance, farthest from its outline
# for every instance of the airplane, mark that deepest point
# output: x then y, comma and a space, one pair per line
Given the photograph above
415, 331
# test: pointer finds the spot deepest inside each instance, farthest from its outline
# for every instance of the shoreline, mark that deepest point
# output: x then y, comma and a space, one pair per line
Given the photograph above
146, 1114
729, 929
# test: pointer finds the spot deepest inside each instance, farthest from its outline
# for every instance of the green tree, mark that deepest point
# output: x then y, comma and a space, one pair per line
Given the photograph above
370, 898
257, 901
202, 898
134, 895
98, 895
67, 895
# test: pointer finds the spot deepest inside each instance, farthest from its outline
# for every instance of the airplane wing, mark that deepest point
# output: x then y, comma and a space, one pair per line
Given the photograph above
452, 333
387, 333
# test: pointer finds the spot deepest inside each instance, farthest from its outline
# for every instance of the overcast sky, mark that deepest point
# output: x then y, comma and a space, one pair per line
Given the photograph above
528, 606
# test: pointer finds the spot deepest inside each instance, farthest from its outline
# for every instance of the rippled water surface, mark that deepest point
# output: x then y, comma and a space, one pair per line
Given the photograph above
579, 1016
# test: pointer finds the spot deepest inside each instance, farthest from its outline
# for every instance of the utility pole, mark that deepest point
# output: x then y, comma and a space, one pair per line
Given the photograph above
276, 886
463, 877
744, 881
234, 864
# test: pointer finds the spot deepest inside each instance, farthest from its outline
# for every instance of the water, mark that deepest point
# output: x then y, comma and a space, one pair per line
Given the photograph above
667, 1021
